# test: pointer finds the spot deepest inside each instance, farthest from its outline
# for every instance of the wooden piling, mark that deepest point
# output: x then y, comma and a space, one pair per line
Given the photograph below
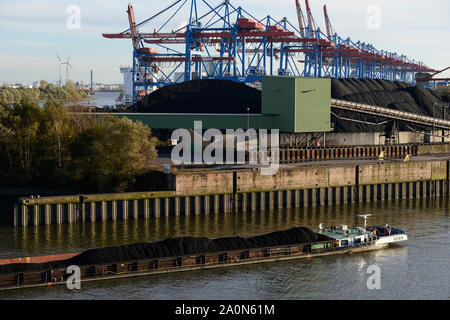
104, 211
93, 216
16, 215
157, 208
48, 214
59, 213
36, 215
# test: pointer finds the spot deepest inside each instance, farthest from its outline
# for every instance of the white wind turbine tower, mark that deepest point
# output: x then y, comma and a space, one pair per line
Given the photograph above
67, 63
61, 63
60, 70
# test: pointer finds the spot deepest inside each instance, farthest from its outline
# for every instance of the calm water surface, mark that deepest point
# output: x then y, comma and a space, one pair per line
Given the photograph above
100, 99
417, 269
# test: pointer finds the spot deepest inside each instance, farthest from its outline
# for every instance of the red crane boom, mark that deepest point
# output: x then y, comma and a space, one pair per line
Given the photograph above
436, 73
310, 19
430, 77
327, 22
301, 24
133, 30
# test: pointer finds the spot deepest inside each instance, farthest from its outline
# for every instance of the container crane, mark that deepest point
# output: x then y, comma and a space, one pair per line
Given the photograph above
223, 41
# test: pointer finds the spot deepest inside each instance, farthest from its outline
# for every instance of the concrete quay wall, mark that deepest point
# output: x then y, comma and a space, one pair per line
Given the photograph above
307, 177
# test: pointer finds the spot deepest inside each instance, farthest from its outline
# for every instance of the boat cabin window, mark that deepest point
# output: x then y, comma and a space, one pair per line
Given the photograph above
223, 257
178, 262
153, 264
344, 242
245, 255
200, 259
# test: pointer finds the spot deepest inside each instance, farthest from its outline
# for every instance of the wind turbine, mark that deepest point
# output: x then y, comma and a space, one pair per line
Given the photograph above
60, 70
67, 63
61, 63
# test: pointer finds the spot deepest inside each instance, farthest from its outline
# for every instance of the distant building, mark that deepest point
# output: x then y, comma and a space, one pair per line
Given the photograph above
107, 87
127, 84
17, 85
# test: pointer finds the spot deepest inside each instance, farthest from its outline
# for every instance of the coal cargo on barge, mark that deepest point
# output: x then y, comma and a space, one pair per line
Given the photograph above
183, 254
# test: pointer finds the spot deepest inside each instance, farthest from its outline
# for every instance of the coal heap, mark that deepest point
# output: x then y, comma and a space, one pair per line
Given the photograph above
383, 93
174, 247
202, 96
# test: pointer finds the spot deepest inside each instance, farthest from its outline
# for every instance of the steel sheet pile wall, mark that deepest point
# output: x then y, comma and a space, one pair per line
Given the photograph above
204, 192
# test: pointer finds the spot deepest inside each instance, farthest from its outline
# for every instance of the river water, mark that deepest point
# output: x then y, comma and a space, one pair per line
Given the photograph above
416, 269
99, 100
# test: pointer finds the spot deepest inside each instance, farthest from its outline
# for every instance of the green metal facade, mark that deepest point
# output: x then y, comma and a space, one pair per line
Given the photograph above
278, 97
304, 104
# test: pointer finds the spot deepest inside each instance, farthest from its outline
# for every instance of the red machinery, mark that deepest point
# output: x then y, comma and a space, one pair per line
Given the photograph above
430, 77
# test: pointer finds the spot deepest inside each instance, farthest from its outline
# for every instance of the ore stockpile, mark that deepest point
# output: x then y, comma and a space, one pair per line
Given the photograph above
202, 96
388, 94
228, 97
174, 247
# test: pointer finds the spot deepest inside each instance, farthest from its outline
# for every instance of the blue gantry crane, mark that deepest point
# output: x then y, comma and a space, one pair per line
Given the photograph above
226, 42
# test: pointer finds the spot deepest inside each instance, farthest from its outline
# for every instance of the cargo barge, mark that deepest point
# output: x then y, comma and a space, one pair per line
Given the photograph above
340, 240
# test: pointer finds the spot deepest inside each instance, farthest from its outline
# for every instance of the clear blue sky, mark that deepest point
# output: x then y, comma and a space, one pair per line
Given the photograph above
32, 30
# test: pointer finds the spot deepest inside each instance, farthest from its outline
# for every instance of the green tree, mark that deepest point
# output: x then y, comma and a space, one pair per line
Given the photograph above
43, 84
50, 146
20, 126
6, 140
58, 132
43, 93
112, 149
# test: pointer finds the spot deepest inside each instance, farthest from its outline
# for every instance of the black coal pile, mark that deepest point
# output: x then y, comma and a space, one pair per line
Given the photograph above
383, 93
174, 247
202, 96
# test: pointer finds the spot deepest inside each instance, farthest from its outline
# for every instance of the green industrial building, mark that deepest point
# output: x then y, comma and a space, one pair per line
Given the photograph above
300, 104
290, 104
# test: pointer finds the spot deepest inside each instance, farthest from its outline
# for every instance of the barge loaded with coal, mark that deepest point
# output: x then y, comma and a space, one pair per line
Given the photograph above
188, 253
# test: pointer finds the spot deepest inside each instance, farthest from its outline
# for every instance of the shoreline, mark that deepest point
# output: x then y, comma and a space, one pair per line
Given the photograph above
58, 101
92, 98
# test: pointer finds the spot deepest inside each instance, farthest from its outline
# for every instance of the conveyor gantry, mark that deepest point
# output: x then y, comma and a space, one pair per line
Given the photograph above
391, 114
